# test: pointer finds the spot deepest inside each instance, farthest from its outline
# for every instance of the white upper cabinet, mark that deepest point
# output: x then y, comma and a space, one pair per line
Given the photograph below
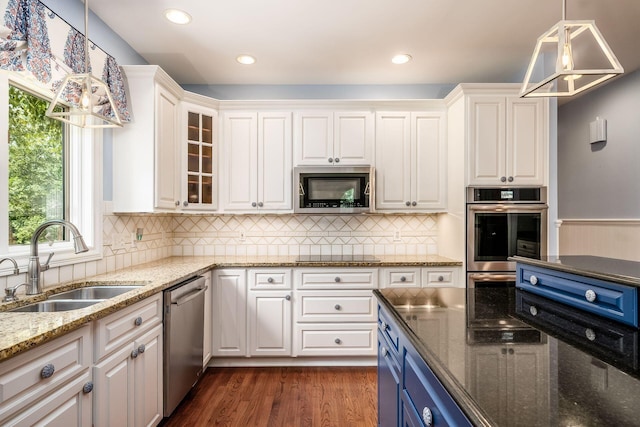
146, 166
410, 161
199, 153
334, 138
257, 161
507, 140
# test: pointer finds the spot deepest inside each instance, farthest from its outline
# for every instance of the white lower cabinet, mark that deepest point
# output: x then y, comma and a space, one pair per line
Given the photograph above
229, 326
46, 385
128, 378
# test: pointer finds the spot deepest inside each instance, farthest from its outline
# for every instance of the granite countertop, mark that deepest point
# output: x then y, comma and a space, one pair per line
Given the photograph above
610, 269
506, 355
22, 331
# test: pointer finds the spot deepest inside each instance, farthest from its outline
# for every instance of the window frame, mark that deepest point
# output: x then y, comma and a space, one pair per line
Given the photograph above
84, 197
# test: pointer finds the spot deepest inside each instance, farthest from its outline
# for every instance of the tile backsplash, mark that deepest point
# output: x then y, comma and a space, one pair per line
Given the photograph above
240, 235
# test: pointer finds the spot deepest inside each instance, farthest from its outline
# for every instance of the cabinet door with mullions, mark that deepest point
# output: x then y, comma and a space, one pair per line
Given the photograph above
199, 171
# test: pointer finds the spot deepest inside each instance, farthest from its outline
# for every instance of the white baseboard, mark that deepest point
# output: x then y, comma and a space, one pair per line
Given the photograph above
235, 362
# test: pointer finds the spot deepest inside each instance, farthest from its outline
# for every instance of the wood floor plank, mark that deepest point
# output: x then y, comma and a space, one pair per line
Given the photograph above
281, 397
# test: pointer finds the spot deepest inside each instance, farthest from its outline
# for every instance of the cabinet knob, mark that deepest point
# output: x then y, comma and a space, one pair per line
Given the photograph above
47, 371
177, 202
403, 279
270, 280
260, 204
533, 280
185, 203
254, 204
440, 278
338, 341
337, 279
590, 295
330, 160
427, 416
141, 348
138, 321
408, 203
134, 353
503, 351
510, 179
503, 179
384, 351
533, 310
384, 326
337, 307
287, 297
87, 387
511, 351
337, 160
590, 334
414, 203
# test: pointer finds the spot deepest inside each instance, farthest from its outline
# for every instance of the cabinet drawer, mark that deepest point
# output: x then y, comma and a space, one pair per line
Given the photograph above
607, 299
440, 277
269, 279
336, 306
113, 331
424, 396
337, 279
21, 378
401, 278
388, 329
336, 340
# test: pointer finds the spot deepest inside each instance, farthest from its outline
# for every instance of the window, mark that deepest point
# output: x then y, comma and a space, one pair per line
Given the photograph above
48, 170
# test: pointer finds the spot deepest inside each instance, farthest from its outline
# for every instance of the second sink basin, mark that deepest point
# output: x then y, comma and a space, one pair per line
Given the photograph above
54, 306
93, 292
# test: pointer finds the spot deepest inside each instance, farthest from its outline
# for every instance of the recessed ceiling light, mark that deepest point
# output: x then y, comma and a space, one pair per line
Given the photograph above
246, 59
402, 58
177, 16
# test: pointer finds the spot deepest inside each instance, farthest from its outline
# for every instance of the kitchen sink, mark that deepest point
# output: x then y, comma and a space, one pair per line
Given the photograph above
93, 292
55, 306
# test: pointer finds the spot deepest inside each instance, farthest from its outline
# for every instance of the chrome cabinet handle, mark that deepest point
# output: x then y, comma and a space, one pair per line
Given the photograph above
141, 348
330, 160
533, 280
427, 416
254, 204
503, 179
510, 179
337, 279
270, 280
337, 160
47, 371
384, 326
185, 203
403, 279
414, 203
338, 341
440, 278
590, 334
384, 351
533, 310
177, 202
87, 387
337, 307
138, 321
134, 353
260, 204
287, 297
590, 295
408, 203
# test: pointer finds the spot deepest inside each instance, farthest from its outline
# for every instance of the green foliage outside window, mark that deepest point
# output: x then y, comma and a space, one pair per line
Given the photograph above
36, 166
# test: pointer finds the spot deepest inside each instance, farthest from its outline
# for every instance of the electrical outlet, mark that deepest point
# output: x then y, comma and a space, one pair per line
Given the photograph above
242, 236
397, 237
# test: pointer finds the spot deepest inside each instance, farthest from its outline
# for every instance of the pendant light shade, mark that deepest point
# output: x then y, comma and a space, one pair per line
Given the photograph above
580, 59
82, 99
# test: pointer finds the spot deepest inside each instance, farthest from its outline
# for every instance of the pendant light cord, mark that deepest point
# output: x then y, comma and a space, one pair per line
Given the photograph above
86, 36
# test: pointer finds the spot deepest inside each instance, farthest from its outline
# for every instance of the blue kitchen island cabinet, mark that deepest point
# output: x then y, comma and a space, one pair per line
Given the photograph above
409, 394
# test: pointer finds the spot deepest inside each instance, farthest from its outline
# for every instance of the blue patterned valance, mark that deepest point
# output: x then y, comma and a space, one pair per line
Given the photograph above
36, 42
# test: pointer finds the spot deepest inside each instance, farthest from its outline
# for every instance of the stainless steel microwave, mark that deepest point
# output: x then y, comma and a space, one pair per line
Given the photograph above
333, 189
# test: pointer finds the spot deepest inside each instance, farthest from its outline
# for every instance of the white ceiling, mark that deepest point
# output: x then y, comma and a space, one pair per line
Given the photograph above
352, 41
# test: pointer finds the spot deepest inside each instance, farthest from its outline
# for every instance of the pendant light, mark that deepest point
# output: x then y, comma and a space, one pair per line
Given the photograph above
581, 60
82, 99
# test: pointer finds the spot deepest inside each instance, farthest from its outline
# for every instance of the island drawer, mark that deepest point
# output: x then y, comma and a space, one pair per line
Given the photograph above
611, 300
33, 375
425, 398
119, 328
317, 339
336, 306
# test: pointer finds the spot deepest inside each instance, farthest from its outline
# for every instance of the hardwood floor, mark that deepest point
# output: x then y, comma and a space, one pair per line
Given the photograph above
281, 396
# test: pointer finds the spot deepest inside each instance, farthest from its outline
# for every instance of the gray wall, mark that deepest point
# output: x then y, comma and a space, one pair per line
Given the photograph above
602, 180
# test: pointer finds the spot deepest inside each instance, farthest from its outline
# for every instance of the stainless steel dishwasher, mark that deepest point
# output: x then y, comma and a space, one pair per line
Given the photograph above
183, 339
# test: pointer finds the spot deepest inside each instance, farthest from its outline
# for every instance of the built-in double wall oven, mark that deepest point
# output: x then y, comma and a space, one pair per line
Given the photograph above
503, 222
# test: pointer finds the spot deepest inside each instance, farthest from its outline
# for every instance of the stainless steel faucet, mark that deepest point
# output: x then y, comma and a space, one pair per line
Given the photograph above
16, 270
10, 293
34, 285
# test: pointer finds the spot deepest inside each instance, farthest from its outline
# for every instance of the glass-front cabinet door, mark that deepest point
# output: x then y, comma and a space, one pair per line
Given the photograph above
200, 171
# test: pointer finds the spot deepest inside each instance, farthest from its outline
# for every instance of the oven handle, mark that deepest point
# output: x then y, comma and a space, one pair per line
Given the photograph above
499, 277
508, 208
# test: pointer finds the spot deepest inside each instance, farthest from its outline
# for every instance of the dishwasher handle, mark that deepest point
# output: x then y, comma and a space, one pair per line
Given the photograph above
191, 295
